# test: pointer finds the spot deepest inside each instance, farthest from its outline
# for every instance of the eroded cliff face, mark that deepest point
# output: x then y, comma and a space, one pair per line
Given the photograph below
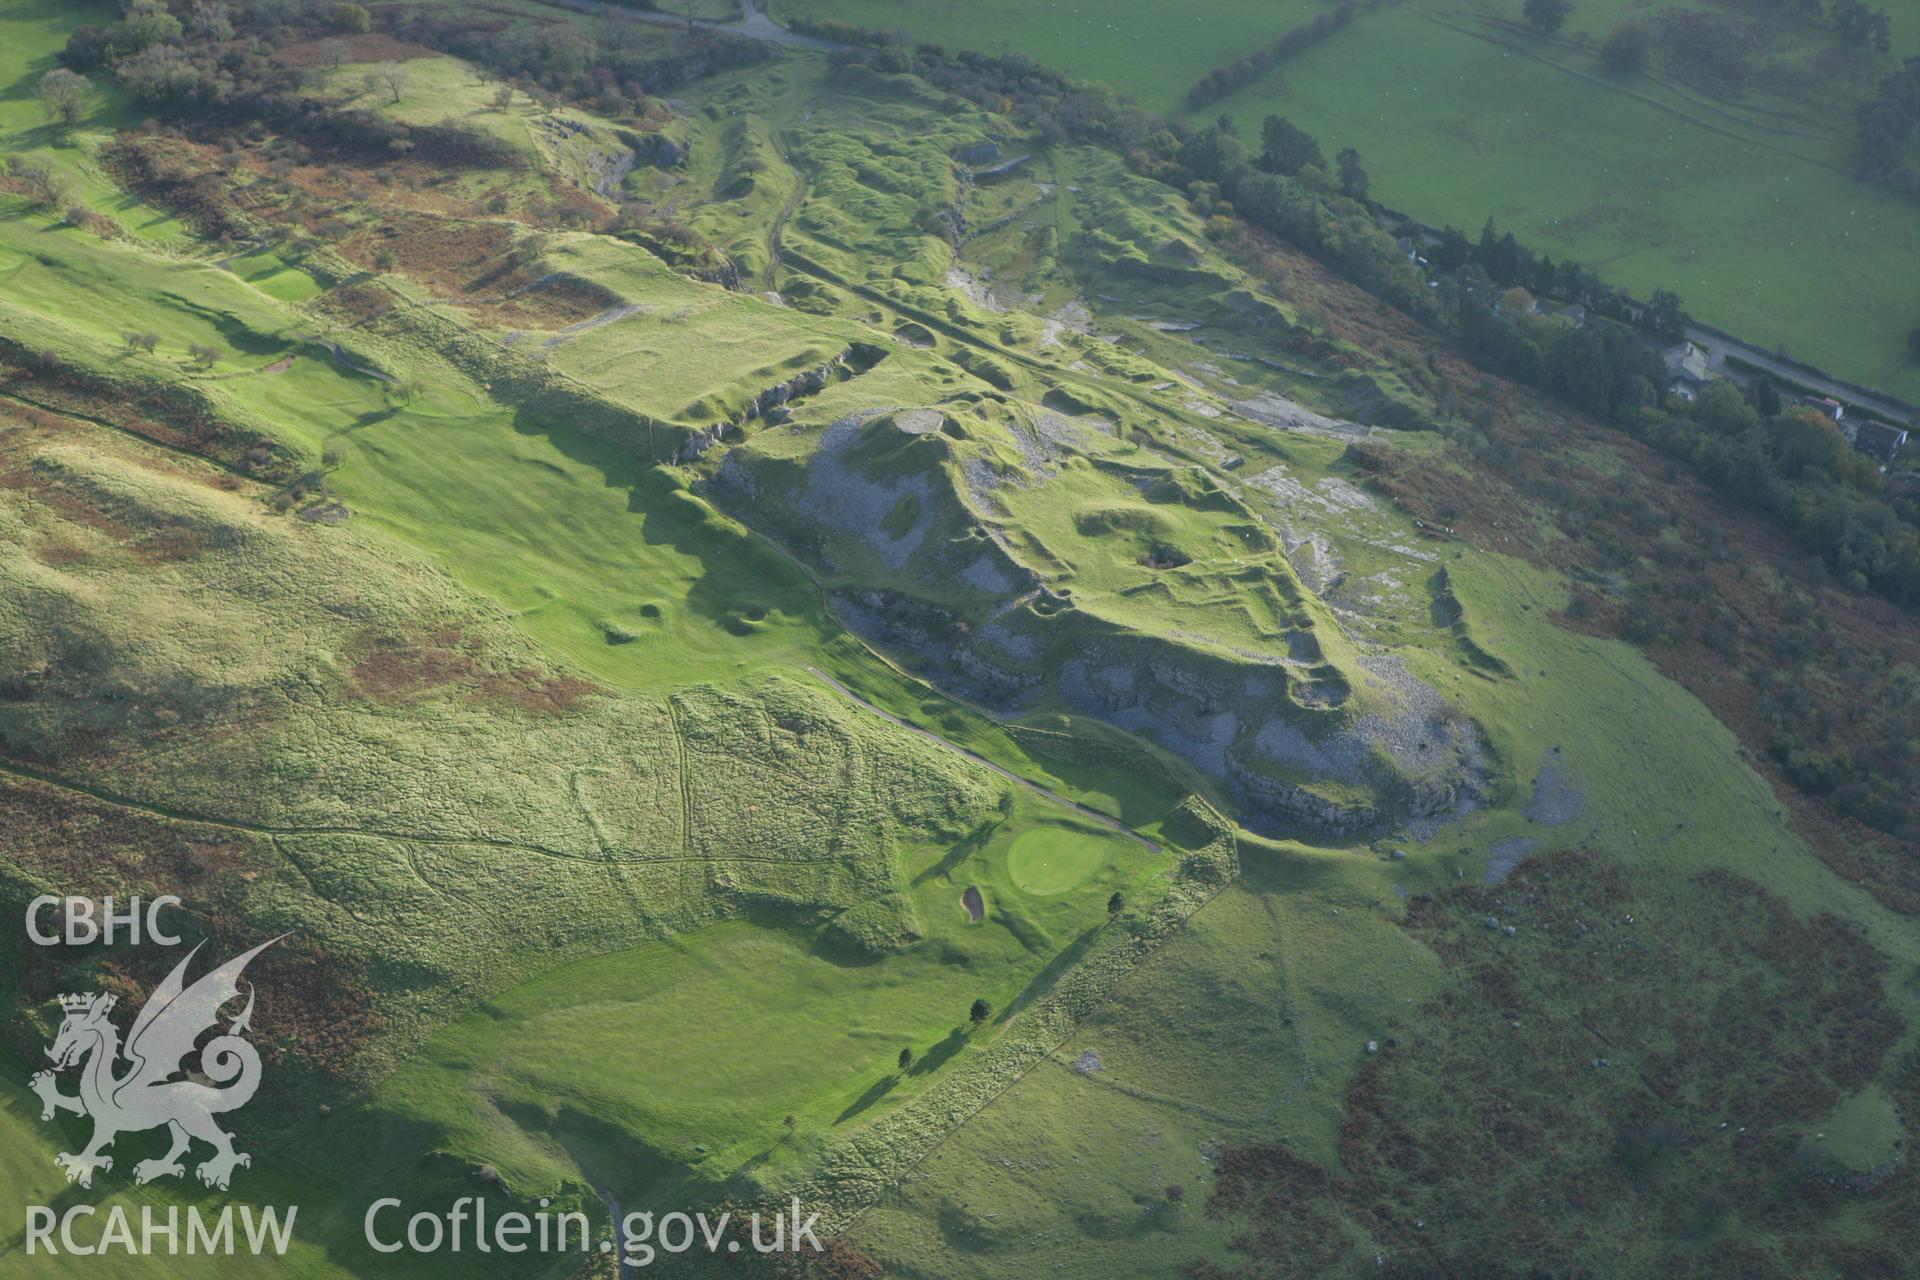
1025, 560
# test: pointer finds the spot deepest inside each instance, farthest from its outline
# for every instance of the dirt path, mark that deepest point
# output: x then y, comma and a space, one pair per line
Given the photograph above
780, 221
1112, 824
270, 832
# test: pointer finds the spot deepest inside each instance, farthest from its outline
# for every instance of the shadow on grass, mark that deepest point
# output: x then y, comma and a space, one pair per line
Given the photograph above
973, 843
941, 1053
1056, 967
745, 579
878, 1090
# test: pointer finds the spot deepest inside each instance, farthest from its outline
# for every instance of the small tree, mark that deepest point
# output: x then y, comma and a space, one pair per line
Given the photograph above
1116, 904
146, 341
63, 95
147, 23
1353, 175
906, 1059
203, 355
979, 1013
1626, 48
39, 180
352, 18
1288, 148
502, 96
208, 19
331, 52
390, 80
1546, 16
1664, 317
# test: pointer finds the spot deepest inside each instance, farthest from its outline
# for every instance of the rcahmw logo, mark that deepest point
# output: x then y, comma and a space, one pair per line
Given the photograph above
143, 1083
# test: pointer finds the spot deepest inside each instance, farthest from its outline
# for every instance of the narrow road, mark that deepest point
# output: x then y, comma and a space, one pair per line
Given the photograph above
1094, 815
623, 1269
1719, 346
756, 25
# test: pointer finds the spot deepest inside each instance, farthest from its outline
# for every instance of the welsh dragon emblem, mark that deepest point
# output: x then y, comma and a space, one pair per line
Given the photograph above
154, 1088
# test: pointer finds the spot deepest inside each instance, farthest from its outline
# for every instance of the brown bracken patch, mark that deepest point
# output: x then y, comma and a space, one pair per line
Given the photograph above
313, 1005
1636, 1053
393, 667
373, 46
538, 692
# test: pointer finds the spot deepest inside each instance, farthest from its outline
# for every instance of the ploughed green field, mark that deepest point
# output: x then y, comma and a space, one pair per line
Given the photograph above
1743, 205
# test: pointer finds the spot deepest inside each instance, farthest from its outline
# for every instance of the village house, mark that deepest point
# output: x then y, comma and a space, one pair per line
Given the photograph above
1570, 311
1877, 439
1686, 370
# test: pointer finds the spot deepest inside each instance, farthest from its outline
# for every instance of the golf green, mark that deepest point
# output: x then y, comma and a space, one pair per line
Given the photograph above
1051, 859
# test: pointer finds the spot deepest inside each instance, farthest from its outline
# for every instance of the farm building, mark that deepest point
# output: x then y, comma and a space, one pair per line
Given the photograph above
1878, 439
1826, 406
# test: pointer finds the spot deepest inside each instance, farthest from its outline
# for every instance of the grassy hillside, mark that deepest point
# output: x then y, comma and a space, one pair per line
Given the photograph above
661, 641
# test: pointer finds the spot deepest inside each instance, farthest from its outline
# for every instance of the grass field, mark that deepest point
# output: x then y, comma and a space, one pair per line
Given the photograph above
1753, 223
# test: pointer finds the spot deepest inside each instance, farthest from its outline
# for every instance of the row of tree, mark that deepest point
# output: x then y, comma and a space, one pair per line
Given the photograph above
1510, 264
1857, 23
1887, 123
1286, 190
1221, 81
